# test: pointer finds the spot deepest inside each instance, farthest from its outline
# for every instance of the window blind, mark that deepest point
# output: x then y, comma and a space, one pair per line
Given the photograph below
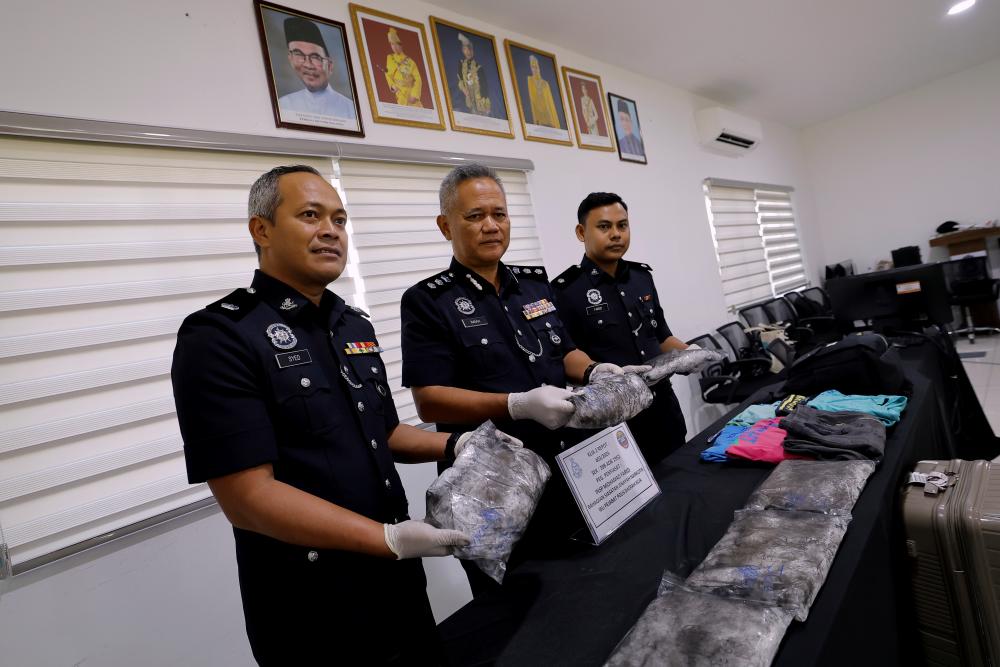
105, 249
755, 239
392, 209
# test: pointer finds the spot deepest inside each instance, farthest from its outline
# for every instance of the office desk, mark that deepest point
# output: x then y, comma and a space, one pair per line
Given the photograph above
572, 607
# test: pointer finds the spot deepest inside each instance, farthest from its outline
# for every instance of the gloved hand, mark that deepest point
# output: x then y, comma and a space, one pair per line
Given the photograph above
549, 406
605, 368
464, 439
638, 369
415, 539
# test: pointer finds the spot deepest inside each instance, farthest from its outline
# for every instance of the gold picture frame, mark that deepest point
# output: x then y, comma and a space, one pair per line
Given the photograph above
404, 91
590, 119
548, 122
470, 80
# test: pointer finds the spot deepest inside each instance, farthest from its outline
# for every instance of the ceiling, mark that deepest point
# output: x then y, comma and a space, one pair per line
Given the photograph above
797, 62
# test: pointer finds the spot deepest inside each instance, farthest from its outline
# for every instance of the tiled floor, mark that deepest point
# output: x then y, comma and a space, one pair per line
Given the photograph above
984, 373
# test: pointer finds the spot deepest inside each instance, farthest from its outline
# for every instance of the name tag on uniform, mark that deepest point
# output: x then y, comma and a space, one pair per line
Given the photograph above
599, 308
364, 347
538, 308
293, 358
469, 322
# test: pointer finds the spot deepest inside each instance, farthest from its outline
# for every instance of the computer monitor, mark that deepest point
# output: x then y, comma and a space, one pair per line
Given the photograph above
908, 297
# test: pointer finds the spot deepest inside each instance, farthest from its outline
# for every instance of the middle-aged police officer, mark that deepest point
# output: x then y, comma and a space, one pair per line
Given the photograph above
612, 311
483, 340
284, 409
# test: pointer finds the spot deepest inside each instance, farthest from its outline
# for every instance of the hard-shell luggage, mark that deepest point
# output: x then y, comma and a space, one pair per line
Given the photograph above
953, 540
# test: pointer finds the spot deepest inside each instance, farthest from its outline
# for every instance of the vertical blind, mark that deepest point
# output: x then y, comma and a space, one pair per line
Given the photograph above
392, 209
105, 249
756, 242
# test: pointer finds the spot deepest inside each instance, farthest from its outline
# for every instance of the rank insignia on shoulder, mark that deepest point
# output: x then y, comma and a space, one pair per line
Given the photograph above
364, 347
229, 306
360, 312
538, 308
281, 336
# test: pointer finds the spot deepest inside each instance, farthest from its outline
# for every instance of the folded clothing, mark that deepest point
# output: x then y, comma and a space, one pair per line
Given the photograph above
754, 413
827, 487
777, 557
762, 442
490, 494
886, 407
837, 436
679, 361
683, 626
724, 439
609, 400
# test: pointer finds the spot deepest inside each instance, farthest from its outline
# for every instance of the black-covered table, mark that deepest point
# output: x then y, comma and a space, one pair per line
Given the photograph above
573, 607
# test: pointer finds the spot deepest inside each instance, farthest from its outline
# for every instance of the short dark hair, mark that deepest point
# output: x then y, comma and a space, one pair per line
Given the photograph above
264, 195
448, 192
596, 200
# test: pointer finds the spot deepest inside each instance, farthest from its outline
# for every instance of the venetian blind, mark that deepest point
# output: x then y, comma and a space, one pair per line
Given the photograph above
105, 249
756, 242
392, 209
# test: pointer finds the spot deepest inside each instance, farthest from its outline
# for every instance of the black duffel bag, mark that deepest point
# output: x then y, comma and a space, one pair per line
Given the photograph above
855, 364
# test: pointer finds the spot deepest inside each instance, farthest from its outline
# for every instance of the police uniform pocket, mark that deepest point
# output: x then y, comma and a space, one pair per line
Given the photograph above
551, 334
304, 399
488, 354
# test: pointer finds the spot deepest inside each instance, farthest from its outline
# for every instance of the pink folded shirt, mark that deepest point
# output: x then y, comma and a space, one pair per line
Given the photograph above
763, 442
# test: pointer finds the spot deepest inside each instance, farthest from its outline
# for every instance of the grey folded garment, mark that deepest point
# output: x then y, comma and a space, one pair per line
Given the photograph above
609, 400
777, 557
679, 361
686, 627
489, 494
838, 436
827, 487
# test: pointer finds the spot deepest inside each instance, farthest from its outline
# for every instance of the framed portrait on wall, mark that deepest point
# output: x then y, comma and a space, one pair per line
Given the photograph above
396, 61
309, 71
625, 117
539, 94
586, 97
470, 71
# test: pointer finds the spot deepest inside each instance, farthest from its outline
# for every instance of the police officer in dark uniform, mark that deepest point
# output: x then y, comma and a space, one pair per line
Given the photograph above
483, 340
284, 409
612, 311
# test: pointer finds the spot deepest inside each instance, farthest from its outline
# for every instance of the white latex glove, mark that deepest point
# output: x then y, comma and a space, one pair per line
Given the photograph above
638, 369
415, 539
464, 439
693, 346
549, 406
606, 368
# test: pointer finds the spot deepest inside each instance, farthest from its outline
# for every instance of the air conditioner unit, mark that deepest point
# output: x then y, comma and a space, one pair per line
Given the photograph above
727, 132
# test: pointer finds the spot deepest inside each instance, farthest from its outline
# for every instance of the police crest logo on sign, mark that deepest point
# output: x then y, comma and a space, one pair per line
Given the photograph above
281, 336
464, 305
594, 296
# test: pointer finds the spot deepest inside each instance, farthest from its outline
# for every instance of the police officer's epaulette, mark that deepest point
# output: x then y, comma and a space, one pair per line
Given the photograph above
640, 265
358, 311
234, 305
536, 272
566, 278
437, 283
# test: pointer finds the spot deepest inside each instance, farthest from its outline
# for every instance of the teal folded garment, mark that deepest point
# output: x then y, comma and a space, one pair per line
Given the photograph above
754, 413
886, 408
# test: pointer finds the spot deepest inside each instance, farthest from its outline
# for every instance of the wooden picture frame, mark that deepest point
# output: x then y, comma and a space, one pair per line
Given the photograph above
628, 134
311, 86
590, 120
403, 90
535, 73
474, 90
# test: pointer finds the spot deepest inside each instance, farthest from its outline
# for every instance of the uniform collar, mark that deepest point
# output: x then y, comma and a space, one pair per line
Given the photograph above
596, 274
292, 303
479, 284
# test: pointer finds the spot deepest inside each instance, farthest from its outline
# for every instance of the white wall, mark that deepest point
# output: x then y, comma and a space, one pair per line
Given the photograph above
888, 175
198, 65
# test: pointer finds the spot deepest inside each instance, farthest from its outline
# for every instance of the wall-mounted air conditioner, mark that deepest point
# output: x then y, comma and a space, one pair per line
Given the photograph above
727, 132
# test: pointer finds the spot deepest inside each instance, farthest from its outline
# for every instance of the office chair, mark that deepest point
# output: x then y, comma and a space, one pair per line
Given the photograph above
755, 315
969, 283
819, 296
732, 380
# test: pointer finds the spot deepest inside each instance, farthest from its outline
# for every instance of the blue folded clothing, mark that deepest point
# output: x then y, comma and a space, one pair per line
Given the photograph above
726, 438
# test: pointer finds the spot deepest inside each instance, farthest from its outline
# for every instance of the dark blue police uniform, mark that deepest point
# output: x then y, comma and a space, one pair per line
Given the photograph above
265, 376
618, 319
459, 332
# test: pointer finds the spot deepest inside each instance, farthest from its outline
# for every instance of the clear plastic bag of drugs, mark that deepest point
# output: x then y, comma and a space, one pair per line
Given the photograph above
609, 400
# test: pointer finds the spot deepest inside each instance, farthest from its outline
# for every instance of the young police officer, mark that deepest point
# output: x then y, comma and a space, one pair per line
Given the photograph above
285, 411
483, 339
610, 307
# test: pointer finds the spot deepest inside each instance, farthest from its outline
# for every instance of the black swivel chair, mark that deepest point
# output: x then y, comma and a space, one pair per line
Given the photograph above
969, 283
755, 315
819, 297
740, 375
